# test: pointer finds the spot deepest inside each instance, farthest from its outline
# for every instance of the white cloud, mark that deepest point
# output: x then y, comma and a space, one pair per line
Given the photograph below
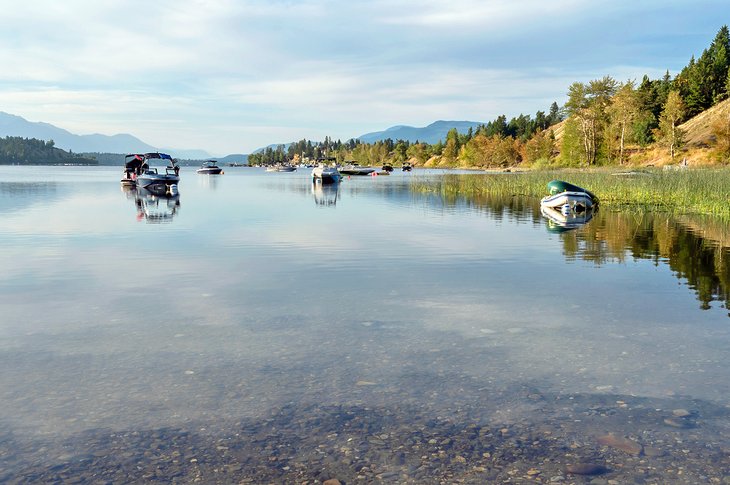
221, 73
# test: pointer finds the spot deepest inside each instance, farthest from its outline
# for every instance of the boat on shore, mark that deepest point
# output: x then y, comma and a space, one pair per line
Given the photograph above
210, 168
565, 196
155, 180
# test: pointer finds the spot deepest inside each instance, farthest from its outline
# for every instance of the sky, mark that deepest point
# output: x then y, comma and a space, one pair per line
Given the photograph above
231, 76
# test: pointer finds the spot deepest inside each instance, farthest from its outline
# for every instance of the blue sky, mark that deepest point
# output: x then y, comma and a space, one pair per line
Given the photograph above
230, 76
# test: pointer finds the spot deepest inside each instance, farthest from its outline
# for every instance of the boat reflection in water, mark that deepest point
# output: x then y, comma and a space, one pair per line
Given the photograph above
156, 208
325, 195
562, 220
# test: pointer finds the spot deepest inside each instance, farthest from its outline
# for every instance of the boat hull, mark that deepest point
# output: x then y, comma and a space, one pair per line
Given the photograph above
285, 168
147, 181
575, 200
326, 175
210, 171
356, 171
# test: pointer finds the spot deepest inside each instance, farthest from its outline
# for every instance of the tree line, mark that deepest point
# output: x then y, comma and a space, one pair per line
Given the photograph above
15, 150
604, 121
522, 128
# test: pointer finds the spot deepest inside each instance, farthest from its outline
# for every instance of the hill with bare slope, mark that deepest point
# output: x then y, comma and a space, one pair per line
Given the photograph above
698, 130
698, 137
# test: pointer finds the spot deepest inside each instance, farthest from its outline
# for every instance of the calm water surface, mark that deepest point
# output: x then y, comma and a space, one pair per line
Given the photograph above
258, 329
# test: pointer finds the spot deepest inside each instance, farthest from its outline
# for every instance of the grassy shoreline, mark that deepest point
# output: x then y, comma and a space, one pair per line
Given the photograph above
696, 191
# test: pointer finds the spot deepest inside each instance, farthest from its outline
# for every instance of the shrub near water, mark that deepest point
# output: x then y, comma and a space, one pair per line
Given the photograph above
704, 191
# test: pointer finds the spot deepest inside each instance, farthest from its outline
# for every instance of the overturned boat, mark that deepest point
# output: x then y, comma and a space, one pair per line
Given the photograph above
566, 196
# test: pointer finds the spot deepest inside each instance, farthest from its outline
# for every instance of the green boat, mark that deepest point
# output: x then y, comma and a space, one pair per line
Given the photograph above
558, 186
568, 197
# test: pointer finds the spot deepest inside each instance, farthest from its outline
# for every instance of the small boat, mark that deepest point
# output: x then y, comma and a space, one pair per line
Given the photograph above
134, 164
281, 168
407, 167
564, 194
150, 177
354, 168
387, 168
210, 168
326, 174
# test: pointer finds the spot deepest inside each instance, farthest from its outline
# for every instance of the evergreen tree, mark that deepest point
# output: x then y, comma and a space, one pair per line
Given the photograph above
451, 148
720, 64
554, 115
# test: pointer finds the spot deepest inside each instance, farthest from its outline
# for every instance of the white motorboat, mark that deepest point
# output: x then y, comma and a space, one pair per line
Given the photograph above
151, 177
354, 168
281, 168
326, 174
210, 168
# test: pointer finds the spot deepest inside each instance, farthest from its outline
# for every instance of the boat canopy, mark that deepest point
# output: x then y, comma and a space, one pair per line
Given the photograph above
163, 156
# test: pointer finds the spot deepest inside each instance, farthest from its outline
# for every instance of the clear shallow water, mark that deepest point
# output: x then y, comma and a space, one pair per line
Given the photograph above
256, 317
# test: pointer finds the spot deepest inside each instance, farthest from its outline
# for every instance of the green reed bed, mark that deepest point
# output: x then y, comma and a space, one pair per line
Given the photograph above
697, 191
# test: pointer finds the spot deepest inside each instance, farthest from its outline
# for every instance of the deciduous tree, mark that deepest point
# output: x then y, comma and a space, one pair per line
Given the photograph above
669, 132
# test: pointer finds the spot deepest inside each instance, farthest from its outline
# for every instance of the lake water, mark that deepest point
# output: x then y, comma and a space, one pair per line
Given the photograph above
258, 329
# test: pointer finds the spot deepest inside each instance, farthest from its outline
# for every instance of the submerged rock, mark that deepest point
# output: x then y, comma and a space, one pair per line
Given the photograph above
624, 444
586, 469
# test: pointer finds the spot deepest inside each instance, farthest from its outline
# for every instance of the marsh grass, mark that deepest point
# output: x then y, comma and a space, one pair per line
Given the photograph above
700, 191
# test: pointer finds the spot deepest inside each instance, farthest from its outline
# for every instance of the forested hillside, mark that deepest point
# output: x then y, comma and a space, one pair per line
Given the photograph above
604, 122
15, 150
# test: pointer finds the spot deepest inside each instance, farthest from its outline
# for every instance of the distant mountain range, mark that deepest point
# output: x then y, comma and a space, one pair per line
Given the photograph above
12, 125
431, 134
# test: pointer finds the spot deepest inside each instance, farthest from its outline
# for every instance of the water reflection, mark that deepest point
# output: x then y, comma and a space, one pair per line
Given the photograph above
696, 248
15, 196
700, 258
559, 221
325, 195
209, 181
154, 208
427, 344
